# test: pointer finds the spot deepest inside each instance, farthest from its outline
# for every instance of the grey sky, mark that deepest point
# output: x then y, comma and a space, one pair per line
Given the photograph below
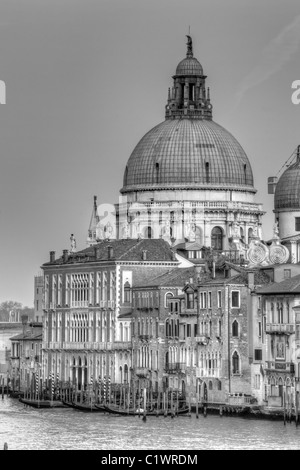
87, 79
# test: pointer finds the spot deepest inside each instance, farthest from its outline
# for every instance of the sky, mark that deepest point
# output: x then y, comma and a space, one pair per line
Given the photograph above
86, 79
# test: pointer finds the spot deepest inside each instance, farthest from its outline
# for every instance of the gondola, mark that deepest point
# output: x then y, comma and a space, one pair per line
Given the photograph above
114, 409
42, 403
85, 406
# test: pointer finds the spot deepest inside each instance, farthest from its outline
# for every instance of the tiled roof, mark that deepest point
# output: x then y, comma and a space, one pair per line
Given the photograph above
28, 336
260, 279
177, 277
123, 250
291, 285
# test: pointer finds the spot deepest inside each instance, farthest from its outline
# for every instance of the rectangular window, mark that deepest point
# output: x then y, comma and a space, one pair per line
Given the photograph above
188, 330
190, 300
209, 300
54, 287
219, 299
259, 329
257, 354
297, 224
98, 287
195, 330
286, 273
201, 299
204, 299
298, 333
59, 293
235, 298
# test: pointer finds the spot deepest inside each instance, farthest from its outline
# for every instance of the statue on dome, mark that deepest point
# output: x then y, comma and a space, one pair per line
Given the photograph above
189, 45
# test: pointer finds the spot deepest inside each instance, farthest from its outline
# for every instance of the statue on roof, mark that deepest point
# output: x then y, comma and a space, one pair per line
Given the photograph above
73, 243
189, 46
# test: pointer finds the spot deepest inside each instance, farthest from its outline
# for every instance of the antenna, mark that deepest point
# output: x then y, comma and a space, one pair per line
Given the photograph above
189, 30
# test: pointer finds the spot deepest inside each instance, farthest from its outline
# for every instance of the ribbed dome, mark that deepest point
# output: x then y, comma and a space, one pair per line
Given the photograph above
189, 66
188, 153
287, 192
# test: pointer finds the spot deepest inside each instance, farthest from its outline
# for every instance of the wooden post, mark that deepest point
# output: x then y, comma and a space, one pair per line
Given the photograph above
189, 404
167, 401
2, 388
145, 404
158, 404
284, 416
133, 398
296, 408
164, 404
197, 410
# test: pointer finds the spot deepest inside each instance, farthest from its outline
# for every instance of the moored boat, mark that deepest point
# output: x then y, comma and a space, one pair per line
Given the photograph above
115, 409
42, 403
89, 407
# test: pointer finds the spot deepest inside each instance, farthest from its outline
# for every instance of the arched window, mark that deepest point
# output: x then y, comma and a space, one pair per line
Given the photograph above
168, 296
148, 232
121, 332
127, 292
126, 374
235, 363
217, 238
219, 385
235, 328
210, 385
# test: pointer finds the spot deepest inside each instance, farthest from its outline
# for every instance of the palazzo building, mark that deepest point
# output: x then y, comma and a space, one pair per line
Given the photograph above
87, 306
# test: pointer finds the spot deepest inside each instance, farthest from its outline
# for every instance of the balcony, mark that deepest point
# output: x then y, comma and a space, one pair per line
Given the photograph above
213, 373
175, 368
54, 345
142, 372
288, 367
119, 345
202, 339
280, 328
144, 337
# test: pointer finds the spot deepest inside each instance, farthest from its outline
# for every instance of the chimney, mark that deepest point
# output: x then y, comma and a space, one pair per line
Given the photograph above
65, 255
52, 256
251, 280
24, 322
144, 255
110, 252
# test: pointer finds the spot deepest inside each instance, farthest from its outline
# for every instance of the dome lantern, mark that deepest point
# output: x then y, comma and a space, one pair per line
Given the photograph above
189, 99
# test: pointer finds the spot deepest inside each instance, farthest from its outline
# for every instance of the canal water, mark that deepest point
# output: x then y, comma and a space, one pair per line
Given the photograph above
25, 428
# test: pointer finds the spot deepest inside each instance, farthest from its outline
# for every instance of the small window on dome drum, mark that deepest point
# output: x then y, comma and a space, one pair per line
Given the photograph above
297, 224
157, 172
207, 172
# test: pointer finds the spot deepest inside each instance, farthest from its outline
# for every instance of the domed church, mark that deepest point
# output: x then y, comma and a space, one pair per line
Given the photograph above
188, 180
287, 206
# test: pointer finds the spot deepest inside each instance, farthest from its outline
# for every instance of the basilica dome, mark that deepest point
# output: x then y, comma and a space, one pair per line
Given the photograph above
287, 193
188, 153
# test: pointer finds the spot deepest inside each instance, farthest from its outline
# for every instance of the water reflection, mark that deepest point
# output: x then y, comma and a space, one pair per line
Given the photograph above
33, 429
